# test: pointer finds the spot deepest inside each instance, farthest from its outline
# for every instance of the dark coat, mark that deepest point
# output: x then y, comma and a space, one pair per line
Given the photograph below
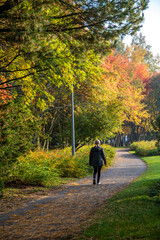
97, 156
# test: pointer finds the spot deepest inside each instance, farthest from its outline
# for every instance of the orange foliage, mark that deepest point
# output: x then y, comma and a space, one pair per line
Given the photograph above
142, 74
127, 81
5, 95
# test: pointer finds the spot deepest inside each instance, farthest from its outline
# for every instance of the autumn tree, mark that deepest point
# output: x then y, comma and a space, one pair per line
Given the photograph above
104, 101
45, 44
141, 52
42, 43
90, 121
30, 27
127, 81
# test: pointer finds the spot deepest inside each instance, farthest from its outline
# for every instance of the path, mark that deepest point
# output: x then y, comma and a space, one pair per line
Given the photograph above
67, 208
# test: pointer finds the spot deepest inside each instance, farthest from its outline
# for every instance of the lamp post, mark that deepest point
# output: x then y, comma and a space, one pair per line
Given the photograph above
73, 129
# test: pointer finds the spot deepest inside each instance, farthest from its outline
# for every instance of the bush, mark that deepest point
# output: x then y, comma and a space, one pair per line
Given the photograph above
48, 168
34, 169
145, 148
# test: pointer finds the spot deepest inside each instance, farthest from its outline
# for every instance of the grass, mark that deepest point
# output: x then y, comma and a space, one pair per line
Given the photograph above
131, 214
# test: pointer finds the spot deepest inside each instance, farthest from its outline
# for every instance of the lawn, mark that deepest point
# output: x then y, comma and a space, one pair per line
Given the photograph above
131, 214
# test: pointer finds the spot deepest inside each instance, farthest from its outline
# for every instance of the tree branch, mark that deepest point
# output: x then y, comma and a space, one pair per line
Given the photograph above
9, 87
10, 61
16, 79
70, 15
19, 70
76, 28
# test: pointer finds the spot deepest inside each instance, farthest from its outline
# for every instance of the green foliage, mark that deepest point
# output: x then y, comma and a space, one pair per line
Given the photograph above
49, 168
32, 172
145, 148
17, 127
94, 121
85, 20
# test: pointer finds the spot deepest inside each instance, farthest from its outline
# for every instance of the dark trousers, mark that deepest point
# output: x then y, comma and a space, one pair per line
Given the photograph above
97, 172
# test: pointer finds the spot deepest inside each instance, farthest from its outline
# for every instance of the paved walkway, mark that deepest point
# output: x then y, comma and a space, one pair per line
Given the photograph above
60, 214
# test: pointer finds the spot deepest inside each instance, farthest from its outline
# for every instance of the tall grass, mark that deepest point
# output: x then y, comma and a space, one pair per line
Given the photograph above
53, 167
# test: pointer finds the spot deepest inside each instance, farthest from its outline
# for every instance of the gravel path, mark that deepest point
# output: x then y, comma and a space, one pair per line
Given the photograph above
62, 213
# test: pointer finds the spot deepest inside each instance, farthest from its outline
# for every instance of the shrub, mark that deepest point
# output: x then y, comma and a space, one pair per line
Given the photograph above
48, 168
34, 169
145, 148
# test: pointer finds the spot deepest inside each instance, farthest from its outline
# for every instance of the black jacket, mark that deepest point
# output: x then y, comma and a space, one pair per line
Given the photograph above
97, 156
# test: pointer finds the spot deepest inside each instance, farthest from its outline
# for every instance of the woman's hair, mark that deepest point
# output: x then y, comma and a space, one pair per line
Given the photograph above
97, 142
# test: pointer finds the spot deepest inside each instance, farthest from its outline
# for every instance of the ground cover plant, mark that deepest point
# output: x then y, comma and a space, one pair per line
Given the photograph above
51, 168
134, 212
145, 148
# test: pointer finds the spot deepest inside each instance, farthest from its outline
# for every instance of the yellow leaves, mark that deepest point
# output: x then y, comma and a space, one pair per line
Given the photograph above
136, 53
41, 104
125, 82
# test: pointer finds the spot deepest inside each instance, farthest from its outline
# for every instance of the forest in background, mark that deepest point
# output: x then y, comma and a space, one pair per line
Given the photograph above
49, 49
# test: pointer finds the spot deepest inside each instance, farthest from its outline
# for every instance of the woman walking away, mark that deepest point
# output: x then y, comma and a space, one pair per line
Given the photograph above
96, 159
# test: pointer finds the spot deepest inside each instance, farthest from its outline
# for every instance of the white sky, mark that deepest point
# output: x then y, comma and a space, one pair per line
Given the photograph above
151, 27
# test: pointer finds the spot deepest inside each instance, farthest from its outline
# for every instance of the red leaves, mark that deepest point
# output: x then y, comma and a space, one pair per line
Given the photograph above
128, 81
5, 95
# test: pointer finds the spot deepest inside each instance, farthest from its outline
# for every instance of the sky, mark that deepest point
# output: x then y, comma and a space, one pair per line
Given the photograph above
151, 27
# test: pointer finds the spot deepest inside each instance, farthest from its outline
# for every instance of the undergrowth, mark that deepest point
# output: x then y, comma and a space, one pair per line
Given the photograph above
51, 168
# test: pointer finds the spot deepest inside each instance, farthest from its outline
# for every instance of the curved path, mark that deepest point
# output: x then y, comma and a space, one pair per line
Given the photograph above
54, 217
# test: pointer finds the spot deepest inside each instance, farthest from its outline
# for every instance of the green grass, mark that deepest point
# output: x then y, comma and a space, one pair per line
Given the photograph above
131, 214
